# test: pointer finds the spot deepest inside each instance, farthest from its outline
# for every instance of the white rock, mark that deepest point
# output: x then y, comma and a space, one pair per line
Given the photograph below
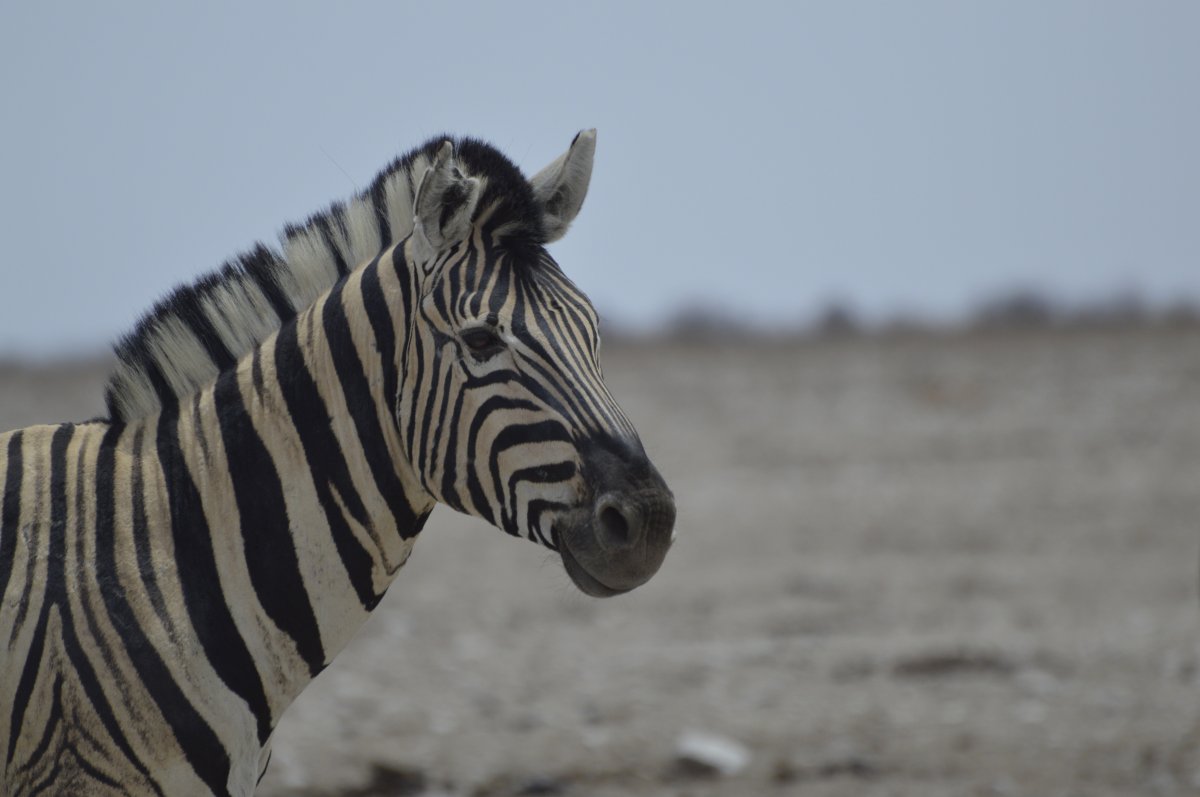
708, 751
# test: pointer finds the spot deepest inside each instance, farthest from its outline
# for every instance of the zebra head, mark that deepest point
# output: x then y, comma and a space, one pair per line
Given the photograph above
503, 410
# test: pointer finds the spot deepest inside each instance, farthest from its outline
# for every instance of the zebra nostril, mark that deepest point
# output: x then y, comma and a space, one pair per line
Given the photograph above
613, 524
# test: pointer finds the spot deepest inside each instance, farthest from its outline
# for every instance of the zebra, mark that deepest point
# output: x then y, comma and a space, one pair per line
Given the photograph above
174, 574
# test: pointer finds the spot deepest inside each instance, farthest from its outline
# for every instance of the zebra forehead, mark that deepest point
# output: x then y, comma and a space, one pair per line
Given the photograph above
509, 278
559, 293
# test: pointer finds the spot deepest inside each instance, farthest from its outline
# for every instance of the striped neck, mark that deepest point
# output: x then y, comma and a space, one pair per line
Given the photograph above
292, 465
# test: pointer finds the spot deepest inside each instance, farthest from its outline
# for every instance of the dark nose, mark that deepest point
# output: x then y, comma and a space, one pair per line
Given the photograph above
618, 522
623, 521
614, 463
621, 541
633, 505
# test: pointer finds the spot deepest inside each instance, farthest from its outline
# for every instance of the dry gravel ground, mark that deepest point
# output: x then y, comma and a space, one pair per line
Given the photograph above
961, 565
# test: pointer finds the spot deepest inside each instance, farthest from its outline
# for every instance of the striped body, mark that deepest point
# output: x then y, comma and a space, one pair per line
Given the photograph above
189, 568
171, 579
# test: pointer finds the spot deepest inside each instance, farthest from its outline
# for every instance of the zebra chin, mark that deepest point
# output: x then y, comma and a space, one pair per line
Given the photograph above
618, 540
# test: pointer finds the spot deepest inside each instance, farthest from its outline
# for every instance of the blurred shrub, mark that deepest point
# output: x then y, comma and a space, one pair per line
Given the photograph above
1182, 314
706, 324
1019, 309
836, 320
1125, 309
1013, 310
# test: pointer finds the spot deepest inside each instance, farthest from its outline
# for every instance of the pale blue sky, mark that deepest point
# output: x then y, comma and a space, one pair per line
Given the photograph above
762, 158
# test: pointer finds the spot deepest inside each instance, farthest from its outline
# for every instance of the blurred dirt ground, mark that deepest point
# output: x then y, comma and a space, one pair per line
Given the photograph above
950, 565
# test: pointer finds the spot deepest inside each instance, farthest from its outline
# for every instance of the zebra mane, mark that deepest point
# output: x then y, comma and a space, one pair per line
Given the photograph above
199, 330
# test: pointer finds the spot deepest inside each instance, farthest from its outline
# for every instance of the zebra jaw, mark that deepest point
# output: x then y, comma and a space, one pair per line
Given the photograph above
587, 584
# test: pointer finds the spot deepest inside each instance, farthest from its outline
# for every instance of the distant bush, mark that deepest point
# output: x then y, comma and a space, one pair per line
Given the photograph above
1182, 314
1120, 310
1020, 309
1030, 309
705, 324
837, 320
1014, 310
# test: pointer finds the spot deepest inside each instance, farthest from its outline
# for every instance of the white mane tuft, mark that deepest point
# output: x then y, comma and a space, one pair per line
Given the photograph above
200, 329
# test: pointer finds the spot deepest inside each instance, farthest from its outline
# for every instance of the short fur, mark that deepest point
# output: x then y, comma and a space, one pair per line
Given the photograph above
170, 584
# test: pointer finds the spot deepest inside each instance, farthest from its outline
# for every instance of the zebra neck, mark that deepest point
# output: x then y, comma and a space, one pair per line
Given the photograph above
300, 476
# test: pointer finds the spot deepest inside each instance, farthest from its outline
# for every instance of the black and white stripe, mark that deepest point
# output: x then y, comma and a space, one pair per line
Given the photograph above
174, 575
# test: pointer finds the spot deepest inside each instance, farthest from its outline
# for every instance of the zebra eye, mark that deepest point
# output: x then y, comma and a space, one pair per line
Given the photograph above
482, 341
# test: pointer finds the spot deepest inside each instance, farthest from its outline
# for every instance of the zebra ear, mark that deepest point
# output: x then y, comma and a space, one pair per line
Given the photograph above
561, 186
445, 203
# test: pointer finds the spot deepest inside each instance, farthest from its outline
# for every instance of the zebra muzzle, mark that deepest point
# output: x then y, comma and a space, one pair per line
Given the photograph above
620, 540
